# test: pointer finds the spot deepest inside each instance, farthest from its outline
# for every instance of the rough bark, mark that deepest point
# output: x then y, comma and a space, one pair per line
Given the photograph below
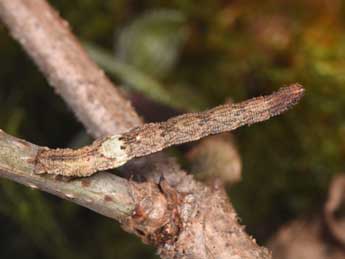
189, 220
48, 40
17, 163
181, 217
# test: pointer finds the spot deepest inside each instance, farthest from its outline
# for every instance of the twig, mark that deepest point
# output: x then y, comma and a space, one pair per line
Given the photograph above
48, 40
181, 217
160, 215
114, 151
96, 101
17, 163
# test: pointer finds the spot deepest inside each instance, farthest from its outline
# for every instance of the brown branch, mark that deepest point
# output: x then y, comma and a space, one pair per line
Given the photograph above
48, 40
97, 103
17, 163
103, 193
190, 221
181, 217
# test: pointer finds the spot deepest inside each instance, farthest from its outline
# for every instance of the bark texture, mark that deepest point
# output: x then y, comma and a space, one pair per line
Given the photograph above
188, 220
180, 216
47, 39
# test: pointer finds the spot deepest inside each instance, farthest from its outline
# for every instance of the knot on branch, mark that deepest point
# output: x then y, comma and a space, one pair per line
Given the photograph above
156, 217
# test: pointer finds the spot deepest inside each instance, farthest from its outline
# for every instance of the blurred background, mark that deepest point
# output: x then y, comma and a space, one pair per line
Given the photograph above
183, 56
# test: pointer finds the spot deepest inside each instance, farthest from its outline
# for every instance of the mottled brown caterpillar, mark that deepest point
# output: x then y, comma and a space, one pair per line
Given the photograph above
114, 151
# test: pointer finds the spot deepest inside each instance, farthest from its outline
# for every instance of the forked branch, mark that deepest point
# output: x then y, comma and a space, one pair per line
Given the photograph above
180, 216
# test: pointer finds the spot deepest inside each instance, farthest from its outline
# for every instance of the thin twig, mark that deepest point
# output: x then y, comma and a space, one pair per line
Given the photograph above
160, 215
17, 163
98, 104
180, 216
58, 54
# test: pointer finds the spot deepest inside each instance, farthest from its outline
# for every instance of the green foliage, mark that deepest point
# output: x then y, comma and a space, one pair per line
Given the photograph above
188, 55
134, 79
152, 42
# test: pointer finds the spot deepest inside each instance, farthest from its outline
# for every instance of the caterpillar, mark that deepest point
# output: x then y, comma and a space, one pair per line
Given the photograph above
114, 151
